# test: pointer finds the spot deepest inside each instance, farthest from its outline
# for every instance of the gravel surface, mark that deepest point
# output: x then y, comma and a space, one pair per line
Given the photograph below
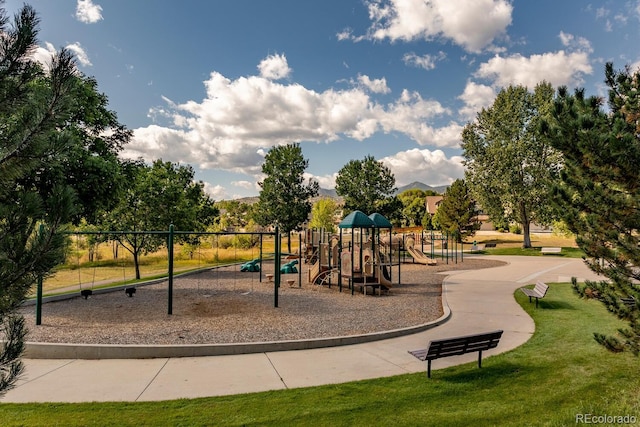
228, 306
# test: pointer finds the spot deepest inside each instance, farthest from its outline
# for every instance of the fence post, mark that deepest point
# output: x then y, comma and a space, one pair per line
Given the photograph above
276, 262
170, 249
39, 290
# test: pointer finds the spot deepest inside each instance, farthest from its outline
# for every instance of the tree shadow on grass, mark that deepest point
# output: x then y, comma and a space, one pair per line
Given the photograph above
492, 373
554, 305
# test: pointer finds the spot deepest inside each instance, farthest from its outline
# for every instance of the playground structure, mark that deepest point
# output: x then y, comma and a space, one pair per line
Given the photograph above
252, 266
368, 255
427, 246
417, 254
322, 254
289, 267
363, 258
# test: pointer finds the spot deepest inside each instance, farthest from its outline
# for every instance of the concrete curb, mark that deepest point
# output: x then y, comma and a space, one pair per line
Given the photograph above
34, 350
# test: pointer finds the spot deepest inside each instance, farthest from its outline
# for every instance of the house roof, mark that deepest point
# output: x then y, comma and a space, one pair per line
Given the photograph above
432, 203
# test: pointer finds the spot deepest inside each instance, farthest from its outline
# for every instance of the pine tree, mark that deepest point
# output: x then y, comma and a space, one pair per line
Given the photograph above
34, 106
599, 195
457, 213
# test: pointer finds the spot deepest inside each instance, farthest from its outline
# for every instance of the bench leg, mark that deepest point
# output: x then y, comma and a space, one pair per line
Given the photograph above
429, 368
480, 359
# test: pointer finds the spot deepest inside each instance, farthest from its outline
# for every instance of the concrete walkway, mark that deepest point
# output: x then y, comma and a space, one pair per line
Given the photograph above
480, 301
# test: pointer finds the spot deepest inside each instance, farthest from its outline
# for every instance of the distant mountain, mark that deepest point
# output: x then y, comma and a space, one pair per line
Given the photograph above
331, 192
328, 192
424, 187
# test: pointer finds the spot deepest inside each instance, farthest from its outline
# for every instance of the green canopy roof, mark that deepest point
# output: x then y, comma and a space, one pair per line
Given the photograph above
356, 219
380, 221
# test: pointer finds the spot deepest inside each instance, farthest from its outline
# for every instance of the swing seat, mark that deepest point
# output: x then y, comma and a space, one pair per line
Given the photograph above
130, 291
86, 293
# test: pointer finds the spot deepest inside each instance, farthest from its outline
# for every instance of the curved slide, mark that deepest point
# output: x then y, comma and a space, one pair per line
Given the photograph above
420, 257
314, 272
384, 276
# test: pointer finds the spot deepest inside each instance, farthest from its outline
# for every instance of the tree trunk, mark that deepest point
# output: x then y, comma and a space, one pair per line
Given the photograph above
526, 231
526, 225
136, 263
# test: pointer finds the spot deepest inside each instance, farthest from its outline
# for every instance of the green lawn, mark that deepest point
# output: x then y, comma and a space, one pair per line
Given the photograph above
567, 252
559, 373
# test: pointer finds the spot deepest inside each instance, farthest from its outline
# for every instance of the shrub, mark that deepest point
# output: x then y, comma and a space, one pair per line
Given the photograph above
515, 229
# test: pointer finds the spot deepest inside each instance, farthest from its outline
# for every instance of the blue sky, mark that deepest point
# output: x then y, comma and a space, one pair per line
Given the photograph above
216, 84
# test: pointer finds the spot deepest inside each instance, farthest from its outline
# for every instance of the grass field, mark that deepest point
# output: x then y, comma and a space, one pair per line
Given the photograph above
511, 244
560, 374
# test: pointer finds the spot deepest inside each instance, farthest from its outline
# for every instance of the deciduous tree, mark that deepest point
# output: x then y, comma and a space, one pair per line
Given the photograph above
285, 198
323, 214
366, 185
413, 206
510, 164
159, 195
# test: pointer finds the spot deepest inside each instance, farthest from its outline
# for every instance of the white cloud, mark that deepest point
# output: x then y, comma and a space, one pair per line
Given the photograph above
475, 97
88, 12
217, 192
344, 34
428, 62
247, 185
81, 55
409, 115
375, 85
558, 68
572, 42
239, 120
325, 181
429, 167
274, 67
473, 25
44, 54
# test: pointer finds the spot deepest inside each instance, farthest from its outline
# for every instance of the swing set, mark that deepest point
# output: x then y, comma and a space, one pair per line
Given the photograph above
86, 291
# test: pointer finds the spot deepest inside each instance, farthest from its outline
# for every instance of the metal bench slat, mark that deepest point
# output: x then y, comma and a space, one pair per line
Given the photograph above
458, 346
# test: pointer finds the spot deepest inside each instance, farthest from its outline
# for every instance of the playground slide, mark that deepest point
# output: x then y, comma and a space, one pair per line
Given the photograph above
314, 272
384, 278
420, 257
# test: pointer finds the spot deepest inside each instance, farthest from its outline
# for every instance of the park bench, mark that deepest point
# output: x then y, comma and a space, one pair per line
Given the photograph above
629, 302
551, 250
539, 291
457, 346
